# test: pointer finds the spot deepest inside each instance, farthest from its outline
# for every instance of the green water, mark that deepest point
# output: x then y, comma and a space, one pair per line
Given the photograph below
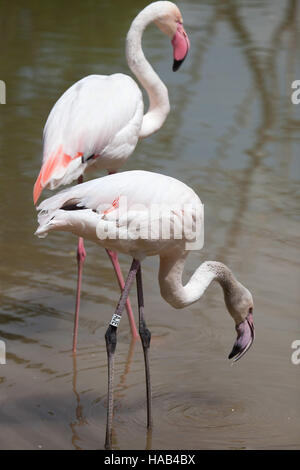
234, 136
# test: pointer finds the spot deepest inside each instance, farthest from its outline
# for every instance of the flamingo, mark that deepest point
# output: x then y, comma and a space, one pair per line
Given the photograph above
98, 121
89, 210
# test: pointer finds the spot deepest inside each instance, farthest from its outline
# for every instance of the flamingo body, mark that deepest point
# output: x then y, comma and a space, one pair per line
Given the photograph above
94, 124
97, 122
101, 210
91, 208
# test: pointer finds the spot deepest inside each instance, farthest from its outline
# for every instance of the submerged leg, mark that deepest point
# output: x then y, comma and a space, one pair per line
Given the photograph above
111, 342
115, 262
81, 255
145, 338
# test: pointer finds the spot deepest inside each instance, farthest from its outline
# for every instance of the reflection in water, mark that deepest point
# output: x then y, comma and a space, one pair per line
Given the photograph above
233, 136
149, 440
80, 418
122, 383
263, 76
121, 387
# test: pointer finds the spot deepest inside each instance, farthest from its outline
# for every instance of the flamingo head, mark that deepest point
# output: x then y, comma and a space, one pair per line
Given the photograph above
170, 22
239, 303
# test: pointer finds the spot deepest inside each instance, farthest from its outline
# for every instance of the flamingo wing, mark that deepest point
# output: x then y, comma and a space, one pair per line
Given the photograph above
139, 187
95, 122
125, 200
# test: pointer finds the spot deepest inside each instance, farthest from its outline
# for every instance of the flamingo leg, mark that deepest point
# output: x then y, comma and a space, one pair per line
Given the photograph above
115, 262
81, 255
111, 342
145, 335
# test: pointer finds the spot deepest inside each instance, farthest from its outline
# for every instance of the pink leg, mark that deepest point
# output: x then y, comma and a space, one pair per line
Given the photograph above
115, 262
81, 255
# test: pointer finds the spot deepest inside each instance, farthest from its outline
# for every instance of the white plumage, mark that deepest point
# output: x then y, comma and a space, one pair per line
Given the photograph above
143, 199
110, 129
91, 208
97, 122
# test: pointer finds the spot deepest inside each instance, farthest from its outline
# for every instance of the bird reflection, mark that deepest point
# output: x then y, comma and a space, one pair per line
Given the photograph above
80, 419
148, 439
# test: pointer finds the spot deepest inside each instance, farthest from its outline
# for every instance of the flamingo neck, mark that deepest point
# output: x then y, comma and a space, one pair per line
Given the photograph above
179, 295
159, 106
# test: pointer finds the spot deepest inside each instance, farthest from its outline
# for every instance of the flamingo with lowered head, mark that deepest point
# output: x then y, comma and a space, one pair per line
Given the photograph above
98, 121
119, 212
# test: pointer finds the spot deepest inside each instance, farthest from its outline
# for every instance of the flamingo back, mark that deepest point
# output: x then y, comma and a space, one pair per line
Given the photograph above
131, 205
94, 124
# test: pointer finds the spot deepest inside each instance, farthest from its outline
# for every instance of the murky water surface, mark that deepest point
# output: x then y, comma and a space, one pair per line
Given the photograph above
234, 136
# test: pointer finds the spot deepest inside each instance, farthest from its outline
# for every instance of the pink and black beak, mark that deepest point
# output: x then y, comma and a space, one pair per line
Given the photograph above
181, 45
245, 337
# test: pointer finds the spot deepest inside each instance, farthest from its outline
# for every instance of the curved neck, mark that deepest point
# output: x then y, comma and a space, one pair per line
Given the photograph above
159, 106
179, 296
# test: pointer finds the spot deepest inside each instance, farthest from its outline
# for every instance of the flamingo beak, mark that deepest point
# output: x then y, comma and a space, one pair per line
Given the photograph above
245, 337
181, 45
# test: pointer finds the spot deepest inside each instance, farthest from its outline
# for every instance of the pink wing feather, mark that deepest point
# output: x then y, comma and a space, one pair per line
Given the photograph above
99, 115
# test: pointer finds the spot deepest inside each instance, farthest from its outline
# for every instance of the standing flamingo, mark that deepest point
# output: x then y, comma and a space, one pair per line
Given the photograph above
97, 122
89, 211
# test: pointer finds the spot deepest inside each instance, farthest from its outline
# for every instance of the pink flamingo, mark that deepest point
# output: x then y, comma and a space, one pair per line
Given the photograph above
88, 210
98, 121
